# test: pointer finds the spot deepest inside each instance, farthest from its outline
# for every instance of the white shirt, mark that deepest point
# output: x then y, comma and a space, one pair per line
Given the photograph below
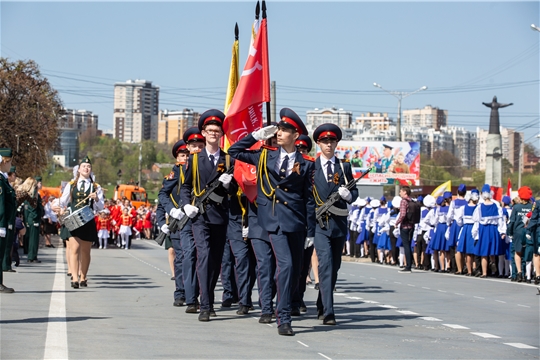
66, 195
216, 157
324, 164
292, 158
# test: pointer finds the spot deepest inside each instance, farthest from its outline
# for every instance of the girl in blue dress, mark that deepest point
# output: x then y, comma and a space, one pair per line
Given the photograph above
439, 245
381, 217
465, 243
362, 228
488, 229
455, 210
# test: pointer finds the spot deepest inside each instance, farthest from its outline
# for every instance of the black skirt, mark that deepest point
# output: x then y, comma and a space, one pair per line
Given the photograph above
87, 232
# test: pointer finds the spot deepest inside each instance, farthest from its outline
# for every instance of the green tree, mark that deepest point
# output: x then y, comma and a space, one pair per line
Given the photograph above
448, 162
507, 168
29, 111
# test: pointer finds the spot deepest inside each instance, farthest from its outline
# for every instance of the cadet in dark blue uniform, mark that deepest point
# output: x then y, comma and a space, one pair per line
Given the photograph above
180, 153
210, 228
331, 175
285, 202
303, 145
169, 198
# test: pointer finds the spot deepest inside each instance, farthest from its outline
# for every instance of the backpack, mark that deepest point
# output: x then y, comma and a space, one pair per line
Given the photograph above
413, 212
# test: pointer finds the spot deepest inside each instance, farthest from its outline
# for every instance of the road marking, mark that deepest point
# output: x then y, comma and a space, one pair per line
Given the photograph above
423, 287
504, 302
407, 312
301, 343
324, 356
397, 282
388, 306
339, 294
454, 326
373, 278
486, 335
56, 345
429, 318
441, 291
152, 266
411, 285
458, 294
371, 302
355, 298
269, 325
520, 345
352, 274
478, 297
524, 306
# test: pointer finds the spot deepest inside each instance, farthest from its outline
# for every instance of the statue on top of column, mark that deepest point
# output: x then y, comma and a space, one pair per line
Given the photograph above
494, 117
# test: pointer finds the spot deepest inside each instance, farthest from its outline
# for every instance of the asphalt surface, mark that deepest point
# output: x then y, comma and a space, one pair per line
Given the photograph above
126, 313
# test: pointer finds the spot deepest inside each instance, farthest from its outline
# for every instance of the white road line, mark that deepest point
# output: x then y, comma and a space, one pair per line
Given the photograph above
269, 325
429, 318
352, 274
441, 291
524, 306
504, 302
152, 266
486, 335
411, 285
478, 297
301, 343
407, 312
355, 298
373, 278
458, 294
423, 287
388, 306
520, 346
454, 326
397, 282
339, 294
324, 356
56, 345
371, 302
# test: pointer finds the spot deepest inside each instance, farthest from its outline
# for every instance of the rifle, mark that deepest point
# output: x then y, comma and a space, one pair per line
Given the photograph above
200, 202
328, 206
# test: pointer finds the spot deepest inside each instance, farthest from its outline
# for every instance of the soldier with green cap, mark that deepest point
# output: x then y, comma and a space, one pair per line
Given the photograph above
32, 219
12, 174
8, 206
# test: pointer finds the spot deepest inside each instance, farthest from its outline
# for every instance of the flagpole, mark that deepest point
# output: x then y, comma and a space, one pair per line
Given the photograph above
268, 109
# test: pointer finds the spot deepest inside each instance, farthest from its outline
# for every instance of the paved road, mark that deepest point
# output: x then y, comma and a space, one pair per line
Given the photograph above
126, 313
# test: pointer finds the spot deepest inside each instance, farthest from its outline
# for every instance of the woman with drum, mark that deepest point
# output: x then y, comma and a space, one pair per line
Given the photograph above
83, 197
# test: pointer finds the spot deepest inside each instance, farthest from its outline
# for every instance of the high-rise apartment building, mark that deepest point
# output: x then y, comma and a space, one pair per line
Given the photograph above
173, 124
71, 125
80, 120
428, 117
340, 117
136, 104
374, 121
512, 141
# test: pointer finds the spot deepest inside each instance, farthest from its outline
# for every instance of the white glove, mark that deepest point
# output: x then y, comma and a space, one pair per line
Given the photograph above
345, 193
225, 179
191, 211
176, 213
528, 236
36, 224
396, 232
309, 242
165, 228
265, 133
2, 232
245, 231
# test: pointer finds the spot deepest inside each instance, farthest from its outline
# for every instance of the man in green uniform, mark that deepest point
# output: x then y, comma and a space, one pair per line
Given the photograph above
32, 219
8, 206
6, 261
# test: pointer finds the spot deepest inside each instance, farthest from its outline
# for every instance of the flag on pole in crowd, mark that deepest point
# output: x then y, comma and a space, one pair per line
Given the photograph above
234, 77
245, 113
439, 191
509, 189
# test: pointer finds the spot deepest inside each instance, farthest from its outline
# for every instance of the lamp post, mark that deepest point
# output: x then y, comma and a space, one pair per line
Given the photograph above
400, 95
140, 163
535, 28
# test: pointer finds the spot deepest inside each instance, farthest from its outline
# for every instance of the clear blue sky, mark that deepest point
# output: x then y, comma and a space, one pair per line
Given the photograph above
321, 54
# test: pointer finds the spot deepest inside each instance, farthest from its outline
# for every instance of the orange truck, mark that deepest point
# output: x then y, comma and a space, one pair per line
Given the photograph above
135, 194
48, 191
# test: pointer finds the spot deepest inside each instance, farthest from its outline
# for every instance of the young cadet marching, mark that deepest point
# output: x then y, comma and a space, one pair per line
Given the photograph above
32, 218
285, 202
8, 210
209, 228
171, 191
330, 176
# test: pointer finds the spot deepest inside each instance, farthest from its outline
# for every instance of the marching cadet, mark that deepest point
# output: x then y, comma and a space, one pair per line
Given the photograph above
331, 175
517, 229
32, 218
185, 255
171, 189
303, 146
285, 203
210, 228
8, 210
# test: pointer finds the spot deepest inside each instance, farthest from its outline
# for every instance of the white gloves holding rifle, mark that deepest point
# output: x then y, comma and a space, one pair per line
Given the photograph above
176, 213
345, 193
309, 242
191, 211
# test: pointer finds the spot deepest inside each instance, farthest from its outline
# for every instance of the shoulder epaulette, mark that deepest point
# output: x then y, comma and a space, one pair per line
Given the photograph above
308, 158
72, 182
346, 160
96, 184
269, 147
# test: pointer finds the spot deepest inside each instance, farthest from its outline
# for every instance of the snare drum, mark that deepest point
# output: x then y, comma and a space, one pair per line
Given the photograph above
78, 218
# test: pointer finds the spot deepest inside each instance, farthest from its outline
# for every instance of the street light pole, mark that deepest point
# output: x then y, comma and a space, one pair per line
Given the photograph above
400, 95
140, 163
535, 28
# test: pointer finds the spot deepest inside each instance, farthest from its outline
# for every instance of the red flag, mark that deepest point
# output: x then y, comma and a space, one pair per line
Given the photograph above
509, 189
497, 193
245, 112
